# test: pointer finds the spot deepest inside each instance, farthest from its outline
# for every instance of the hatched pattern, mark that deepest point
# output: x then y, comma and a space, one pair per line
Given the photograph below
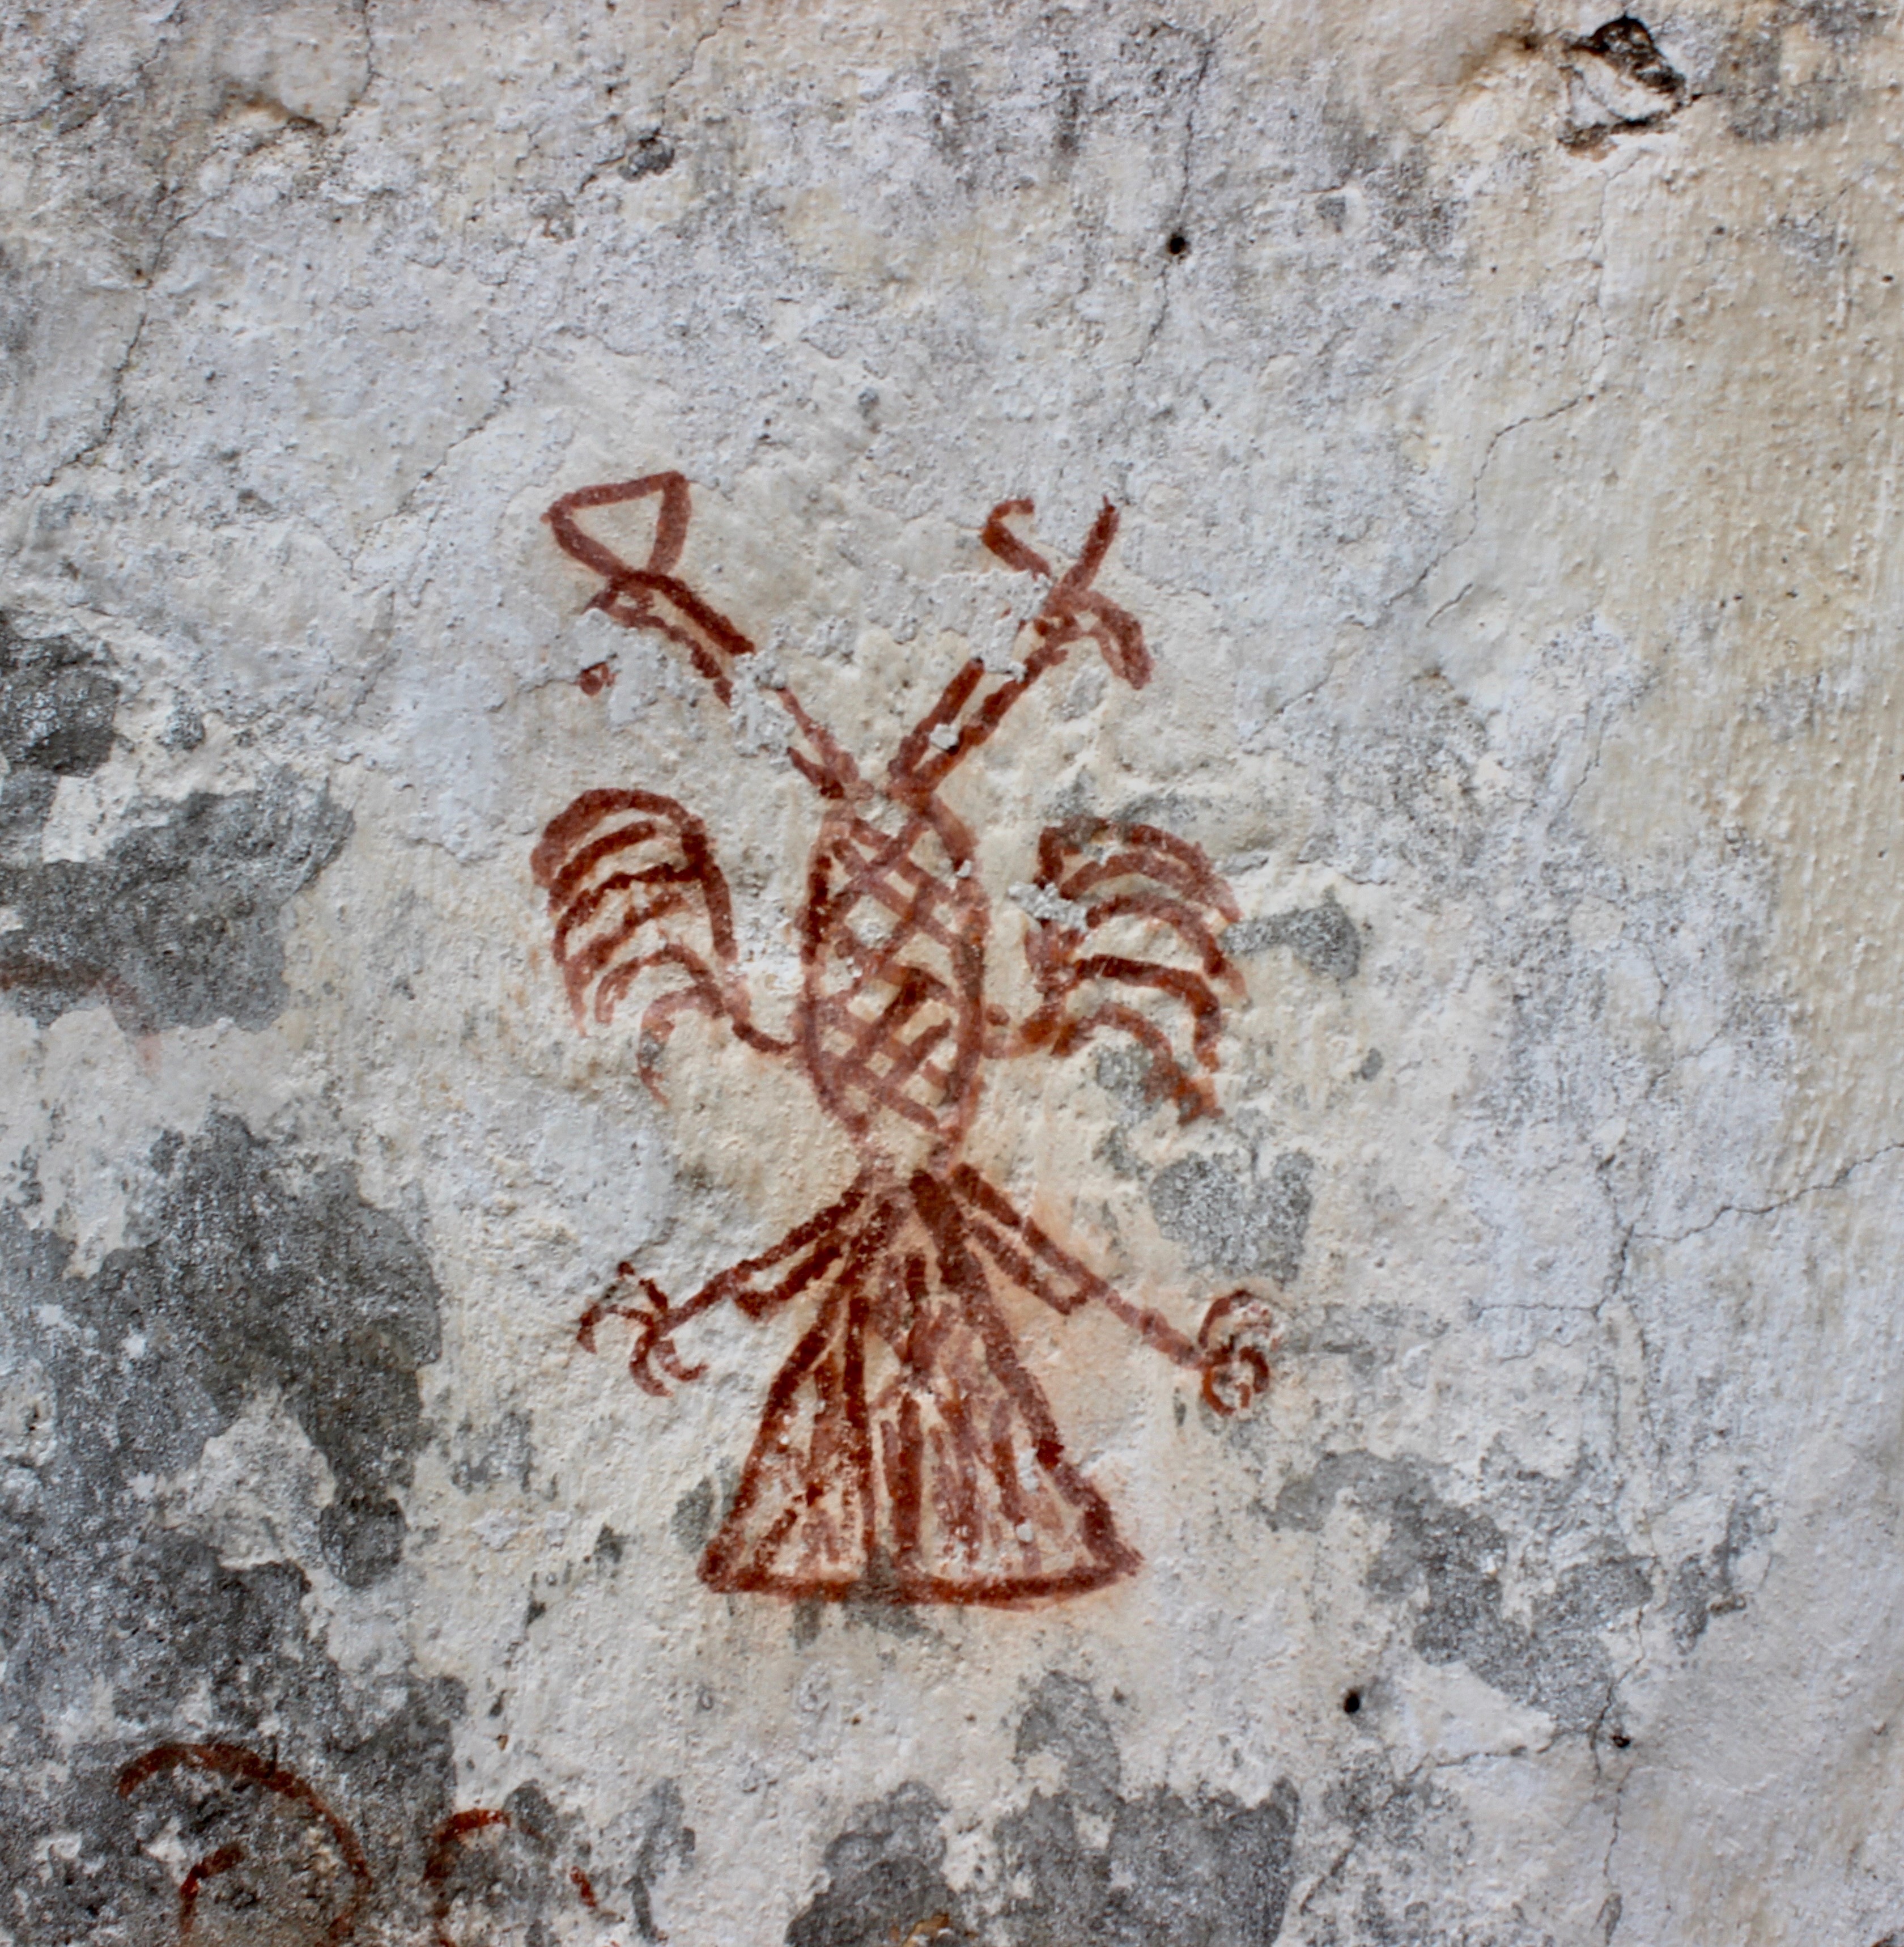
895, 962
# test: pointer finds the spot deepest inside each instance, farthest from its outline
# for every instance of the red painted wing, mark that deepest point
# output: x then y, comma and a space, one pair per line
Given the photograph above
1133, 945
633, 890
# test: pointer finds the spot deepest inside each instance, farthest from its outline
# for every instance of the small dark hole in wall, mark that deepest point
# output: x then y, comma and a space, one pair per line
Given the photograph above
1351, 1701
1620, 1741
653, 155
1177, 244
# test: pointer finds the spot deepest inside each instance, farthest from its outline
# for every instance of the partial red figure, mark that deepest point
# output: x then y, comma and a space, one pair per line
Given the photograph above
244, 1767
905, 1454
286, 1898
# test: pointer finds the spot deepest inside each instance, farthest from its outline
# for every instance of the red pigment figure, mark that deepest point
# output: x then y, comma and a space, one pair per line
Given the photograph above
456, 1836
905, 1454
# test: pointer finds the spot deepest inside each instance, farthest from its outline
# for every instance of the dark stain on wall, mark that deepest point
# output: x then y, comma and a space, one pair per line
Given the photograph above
1203, 1870
1231, 1220
885, 1881
26, 803
693, 1519
503, 1450
667, 1843
268, 1270
1086, 1861
1769, 102
58, 701
266, 1274
1323, 937
1452, 1560
510, 1869
180, 924
1705, 1585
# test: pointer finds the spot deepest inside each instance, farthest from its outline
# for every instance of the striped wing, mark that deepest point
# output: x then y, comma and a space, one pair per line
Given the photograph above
1131, 942
633, 890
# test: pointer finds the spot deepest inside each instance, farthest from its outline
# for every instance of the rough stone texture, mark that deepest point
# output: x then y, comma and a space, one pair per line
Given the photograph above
1500, 397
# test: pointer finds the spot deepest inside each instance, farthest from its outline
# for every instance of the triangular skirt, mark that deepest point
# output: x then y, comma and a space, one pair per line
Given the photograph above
905, 1455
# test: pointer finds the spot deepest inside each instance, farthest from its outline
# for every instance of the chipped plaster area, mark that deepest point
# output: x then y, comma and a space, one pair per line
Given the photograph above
1500, 399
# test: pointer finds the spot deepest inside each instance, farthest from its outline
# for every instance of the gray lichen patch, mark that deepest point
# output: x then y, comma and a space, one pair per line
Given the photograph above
1231, 1222
267, 1270
1705, 1586
508, 1871
180, 924
1323, 937
187, 1648
504, 1451
1204, 1868
1230, 1215
1065, 1719
1787, 73
267, 1278
664, 1844
1086, 1862
884, 1878
58, 701
1450, 1564
26, 803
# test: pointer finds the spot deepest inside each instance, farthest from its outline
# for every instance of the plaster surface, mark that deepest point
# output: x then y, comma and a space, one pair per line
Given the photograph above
1499, 402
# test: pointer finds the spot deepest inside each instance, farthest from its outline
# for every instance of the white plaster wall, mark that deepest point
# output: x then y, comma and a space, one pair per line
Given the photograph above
1507, 500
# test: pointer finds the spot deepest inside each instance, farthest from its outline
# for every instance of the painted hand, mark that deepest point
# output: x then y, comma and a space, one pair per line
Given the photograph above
645, 1305
1238, 1339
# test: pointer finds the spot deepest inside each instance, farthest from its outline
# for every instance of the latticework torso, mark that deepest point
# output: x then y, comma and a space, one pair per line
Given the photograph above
892, 1023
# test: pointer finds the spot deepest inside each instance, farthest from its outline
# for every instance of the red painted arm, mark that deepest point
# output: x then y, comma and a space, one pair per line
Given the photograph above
653, 596
976, 700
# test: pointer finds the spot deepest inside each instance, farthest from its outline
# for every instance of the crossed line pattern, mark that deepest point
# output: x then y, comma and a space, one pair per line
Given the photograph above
893, 1023
872, 1043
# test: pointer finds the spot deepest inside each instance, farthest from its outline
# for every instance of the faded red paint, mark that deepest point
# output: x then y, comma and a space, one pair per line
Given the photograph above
905, 1454
246, 1767
222, 1861
445, 1843
235, 1761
